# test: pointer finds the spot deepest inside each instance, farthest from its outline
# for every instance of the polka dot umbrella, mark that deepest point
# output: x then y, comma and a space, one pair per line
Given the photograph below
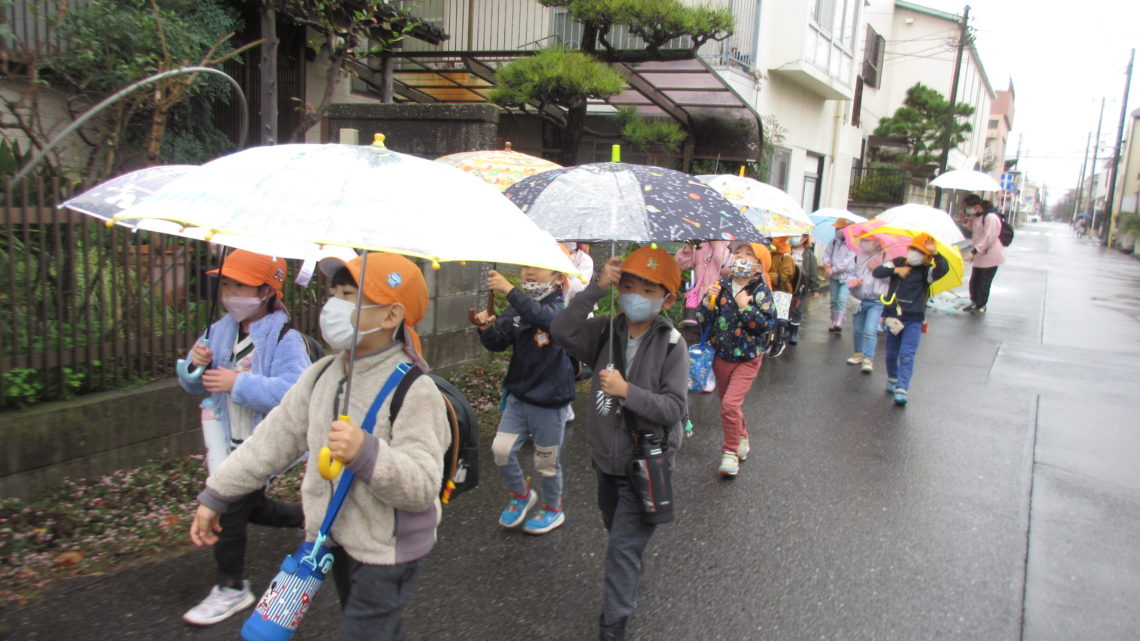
617, 201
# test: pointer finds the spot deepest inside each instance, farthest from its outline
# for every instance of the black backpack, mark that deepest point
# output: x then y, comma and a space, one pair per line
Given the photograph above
461, 461
314, 348
1006, 233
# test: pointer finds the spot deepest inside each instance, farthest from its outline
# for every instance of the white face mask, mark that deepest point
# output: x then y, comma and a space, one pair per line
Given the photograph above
537, 291
242, 308
795, 241
915, 257
336, 324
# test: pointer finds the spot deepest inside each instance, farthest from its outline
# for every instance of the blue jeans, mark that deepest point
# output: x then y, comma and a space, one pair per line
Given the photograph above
838, 291
901, 349
546, 426
866, 329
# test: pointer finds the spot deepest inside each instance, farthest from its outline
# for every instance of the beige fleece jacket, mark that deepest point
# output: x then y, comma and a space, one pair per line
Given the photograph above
391, 513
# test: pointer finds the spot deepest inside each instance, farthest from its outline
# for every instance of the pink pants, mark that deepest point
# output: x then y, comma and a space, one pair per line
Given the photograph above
733, 380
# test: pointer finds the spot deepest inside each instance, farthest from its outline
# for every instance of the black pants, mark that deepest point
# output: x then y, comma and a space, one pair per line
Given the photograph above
229, 551
980, 280
373, 597
628, 537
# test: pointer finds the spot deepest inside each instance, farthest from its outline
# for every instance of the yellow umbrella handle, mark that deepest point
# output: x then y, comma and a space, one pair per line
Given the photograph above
329, 467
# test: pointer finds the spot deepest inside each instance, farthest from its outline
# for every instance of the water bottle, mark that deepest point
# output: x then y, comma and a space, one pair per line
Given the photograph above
281, 609
214, 433
652, 479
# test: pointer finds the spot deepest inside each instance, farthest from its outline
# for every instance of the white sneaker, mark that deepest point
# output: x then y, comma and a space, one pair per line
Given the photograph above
742, 450
729, 465
220, 604
856, 359
868, 366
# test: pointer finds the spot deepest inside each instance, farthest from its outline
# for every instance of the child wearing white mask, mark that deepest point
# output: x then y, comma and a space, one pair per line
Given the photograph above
539, 387
253, 358
904, 308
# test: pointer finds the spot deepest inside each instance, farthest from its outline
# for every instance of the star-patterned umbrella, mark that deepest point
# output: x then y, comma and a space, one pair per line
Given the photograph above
623, 202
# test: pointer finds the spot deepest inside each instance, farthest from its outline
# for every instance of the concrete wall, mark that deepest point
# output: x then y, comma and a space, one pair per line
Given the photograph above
428, 131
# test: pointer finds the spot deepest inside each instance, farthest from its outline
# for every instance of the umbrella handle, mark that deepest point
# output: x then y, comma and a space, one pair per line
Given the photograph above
328, 466
187, 371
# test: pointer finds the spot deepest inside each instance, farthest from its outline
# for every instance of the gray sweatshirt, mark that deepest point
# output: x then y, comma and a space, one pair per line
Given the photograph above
658, 380
391, 513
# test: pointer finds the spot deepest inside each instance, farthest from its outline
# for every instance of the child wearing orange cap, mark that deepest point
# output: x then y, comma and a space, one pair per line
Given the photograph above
737, 314
539, 388
253, 360
388, 521
904, 308
640, 387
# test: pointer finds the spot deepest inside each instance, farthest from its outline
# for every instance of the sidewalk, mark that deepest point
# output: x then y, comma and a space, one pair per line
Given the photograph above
1003, 503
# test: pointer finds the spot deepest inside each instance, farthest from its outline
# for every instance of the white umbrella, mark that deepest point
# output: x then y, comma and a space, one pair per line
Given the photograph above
924, 218
292, 197
966, 180
769, 208
834, 213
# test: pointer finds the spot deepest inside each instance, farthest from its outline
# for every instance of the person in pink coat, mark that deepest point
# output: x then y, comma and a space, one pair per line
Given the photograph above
987, 254
710, 262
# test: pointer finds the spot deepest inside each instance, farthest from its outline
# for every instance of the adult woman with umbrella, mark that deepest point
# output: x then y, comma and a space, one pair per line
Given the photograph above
987, 254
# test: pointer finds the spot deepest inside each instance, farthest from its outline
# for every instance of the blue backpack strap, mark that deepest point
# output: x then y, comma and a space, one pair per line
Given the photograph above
347, 476
706, 332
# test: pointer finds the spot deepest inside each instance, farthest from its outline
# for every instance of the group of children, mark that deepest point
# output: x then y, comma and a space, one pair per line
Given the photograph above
638, 393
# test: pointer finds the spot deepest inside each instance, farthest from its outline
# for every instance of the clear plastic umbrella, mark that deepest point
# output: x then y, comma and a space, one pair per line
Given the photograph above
923, 218
966, 180
770, 209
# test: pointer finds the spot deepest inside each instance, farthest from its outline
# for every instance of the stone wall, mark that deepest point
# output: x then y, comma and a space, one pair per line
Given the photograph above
428, 131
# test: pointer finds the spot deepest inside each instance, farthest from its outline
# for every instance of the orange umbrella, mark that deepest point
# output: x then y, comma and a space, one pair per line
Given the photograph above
499, 167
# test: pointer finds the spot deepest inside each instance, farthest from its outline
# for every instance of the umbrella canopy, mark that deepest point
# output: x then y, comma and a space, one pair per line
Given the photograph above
824, 219
923, 218
967, 180
500, 168
771, 210
274, 199
895, 241
624, 202
1084, 215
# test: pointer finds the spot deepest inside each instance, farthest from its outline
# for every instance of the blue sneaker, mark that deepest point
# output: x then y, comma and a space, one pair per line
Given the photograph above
900, 397
544, 520
892, 385
516, 509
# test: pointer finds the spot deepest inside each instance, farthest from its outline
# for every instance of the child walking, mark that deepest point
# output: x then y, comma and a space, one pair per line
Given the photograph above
868, 289
388, 521
639, 386
738, 312
253, 361
904, 310
838, 259
539, 388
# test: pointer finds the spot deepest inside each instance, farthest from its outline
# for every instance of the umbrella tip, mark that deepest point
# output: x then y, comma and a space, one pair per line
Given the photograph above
435, 264
378, 140
507, 145
109, 223
615, 153
742, 171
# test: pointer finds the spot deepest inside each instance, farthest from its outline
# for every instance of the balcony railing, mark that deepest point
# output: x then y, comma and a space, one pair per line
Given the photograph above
28, 27
880, 185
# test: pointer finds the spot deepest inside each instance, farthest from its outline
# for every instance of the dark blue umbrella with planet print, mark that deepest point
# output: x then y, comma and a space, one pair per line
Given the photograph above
617, 201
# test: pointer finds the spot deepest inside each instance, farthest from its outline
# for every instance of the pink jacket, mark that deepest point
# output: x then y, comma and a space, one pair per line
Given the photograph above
710, 262
986, 229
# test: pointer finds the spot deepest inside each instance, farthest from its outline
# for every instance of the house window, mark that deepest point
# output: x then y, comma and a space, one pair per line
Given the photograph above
779, 161
873, 51
830, 40
993, 123
813, 172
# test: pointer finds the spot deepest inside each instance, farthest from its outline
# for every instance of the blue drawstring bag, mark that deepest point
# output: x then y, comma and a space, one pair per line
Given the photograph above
701, 362
290, 594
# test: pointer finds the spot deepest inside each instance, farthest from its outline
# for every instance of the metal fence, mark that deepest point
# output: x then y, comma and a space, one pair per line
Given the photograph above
881, 185
87, 308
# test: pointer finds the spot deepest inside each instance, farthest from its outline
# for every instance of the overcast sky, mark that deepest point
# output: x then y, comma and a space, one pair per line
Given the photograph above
1063, 58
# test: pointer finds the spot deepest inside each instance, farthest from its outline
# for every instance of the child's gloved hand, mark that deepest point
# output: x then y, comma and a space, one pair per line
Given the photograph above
613, 383
219, 380
611, 273
345, 441
204, 527
496, 282
201, 356
484, 320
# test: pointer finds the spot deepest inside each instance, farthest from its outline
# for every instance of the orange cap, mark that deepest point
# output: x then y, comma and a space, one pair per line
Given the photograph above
919, 243
762, 254
392, 278
654, 265
781, 245
253, 269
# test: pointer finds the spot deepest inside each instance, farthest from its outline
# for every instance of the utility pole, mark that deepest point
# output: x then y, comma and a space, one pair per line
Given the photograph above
963, 34
1080, 190
1092, 176
1110, 201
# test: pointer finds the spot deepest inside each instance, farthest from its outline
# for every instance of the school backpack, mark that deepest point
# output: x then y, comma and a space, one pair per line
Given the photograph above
313, 347
461, 461
1006, 233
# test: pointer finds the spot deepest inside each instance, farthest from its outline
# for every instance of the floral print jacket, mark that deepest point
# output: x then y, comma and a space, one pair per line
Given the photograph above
737, 334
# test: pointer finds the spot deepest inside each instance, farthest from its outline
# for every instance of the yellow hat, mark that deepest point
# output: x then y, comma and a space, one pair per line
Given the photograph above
654, 265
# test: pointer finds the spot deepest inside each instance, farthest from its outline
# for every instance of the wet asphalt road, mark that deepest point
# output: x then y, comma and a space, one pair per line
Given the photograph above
1002, 503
